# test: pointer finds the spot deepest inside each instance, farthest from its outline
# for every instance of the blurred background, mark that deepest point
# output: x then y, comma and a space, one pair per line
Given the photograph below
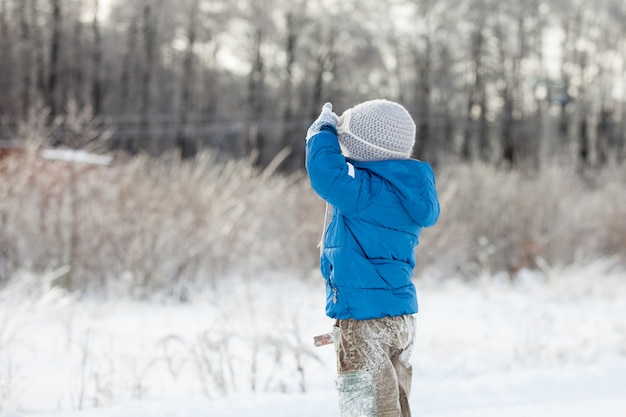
158, 231
197, 104
500, 81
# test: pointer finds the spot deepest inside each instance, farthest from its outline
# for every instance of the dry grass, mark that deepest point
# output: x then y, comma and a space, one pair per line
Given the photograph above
497, 220
164, 225
151, 224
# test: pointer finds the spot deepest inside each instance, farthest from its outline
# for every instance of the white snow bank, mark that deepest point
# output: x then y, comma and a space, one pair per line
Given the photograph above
78, 156
549, 345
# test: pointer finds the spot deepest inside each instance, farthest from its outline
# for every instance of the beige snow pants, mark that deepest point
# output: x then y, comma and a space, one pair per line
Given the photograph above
374, 373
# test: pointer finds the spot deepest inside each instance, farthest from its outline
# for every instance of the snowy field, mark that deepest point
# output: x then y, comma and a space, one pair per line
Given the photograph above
551, 344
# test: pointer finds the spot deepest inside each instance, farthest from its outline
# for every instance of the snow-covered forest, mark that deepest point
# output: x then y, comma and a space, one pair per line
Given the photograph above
158, 232
485, 79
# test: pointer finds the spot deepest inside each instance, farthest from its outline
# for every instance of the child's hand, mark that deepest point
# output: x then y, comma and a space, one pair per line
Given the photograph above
327, 114
326, 117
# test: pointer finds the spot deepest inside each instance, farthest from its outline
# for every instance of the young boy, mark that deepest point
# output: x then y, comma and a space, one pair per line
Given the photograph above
380, 199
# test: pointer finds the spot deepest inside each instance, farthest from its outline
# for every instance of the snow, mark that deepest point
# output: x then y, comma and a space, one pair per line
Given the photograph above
78, 156
551, 344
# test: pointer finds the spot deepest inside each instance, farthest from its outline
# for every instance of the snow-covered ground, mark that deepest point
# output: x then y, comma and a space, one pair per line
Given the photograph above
548, 345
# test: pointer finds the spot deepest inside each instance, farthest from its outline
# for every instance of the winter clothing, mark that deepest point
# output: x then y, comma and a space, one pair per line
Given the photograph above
376, 130
326, 118
371, 356
379, 209
381, 199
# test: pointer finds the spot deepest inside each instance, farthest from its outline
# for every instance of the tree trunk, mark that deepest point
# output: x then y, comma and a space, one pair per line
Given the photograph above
541, 92
290, 128
96, 83
53, 98
325, 62
476, 108
127, 65
580, 120
6, 61
511, 141
256, 81
621, 134
40, 56
27, 67
76, 71
184, 143
424, 149
621, 139
147, 142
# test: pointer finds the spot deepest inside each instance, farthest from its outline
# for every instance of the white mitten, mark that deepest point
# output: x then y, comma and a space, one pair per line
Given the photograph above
326, 117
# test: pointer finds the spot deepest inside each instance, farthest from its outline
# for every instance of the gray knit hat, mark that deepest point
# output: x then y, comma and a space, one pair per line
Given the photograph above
377, 130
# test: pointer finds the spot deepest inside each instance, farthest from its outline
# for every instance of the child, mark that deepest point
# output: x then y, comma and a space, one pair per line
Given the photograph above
380, 199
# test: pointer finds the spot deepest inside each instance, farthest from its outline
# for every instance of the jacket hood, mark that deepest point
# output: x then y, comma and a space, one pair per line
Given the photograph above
414, 183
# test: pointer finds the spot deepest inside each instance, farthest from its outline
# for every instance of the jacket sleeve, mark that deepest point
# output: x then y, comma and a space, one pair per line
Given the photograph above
334, 178
428, 197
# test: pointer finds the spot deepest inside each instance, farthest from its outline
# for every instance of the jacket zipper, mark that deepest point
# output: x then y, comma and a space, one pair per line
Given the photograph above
334, 289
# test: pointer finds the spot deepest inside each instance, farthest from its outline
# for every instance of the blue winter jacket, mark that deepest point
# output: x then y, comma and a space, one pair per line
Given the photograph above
378, 211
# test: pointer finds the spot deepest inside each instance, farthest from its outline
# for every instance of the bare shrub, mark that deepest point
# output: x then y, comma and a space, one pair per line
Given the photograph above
500, 220
145, 225
155, 224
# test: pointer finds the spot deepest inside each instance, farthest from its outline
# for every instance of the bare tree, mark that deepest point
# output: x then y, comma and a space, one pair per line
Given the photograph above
512, 38
260, 34
128, 66
470, 72
620, 137
295, 18
575, 106
6, 52
149, 32
477, 95
611, 40
96, 82
76, 70
54, 71
27, 61
186, 147
426, 144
